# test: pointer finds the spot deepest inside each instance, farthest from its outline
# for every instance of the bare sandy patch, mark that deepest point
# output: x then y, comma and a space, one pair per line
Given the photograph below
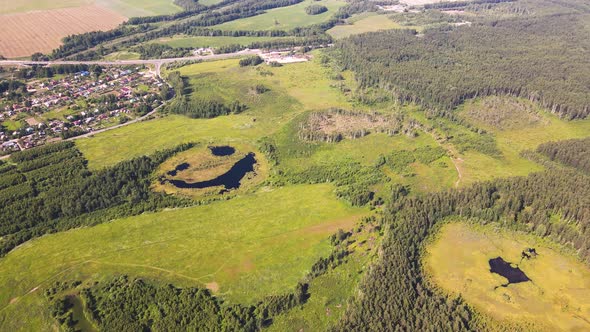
212, 286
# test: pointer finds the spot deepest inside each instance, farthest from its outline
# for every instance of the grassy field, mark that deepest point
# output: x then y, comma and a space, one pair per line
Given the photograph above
294, 88
512, 141
285, 18
122, 55
331, 291
244, 249
133, 8
128, 8
558, 298
206, 41
363, 23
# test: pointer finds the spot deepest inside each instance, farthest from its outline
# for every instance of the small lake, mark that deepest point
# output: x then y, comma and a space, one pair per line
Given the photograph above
514, 274
221, 151
230, 180
179, 168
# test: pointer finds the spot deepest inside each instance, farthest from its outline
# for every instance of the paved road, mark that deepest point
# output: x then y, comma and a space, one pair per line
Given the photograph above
156, 62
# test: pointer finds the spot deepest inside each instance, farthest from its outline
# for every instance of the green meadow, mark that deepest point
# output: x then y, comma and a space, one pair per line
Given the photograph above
285, 18
242, 249
128, 8
366, 22
293, 89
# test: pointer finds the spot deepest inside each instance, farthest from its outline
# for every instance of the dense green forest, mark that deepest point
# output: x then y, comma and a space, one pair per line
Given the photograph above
49, 189
395, 295
538, 58
575, 152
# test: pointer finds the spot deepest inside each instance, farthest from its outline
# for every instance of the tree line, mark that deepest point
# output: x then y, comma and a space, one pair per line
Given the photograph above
395, 294
50, 189
574, 152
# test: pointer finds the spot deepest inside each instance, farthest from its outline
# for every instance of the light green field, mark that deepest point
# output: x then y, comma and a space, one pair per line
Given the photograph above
363, 23
477, 166
11, 7
245, 249
209, 2
122, 55
134, 8
294, 88
205, 41
284, 18
331, 291
11, 125
128, 8
558, 298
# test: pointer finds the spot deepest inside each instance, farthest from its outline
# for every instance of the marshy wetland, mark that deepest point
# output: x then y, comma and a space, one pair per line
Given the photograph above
486, 266
212, 170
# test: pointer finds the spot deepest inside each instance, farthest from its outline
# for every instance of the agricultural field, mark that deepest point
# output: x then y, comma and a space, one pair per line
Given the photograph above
42, 31
285, 18
556, 296
39, 26
242, 249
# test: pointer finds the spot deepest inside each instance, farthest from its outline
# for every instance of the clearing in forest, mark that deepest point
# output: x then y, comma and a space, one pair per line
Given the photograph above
511, 277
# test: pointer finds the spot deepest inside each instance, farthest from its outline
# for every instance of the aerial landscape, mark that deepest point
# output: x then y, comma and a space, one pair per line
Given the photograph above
295, 165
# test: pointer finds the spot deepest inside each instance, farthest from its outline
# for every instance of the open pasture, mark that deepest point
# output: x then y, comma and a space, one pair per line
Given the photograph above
293, 89
557, 296
243, 249
363, 23
285, 18
537, 126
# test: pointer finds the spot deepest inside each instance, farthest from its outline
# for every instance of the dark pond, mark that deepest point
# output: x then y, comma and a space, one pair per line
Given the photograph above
179, 168
230, 180
514, 274
222, 150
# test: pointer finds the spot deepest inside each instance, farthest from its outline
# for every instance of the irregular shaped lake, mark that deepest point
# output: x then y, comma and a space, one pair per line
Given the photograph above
514, 274
179, 168
222, 150
230, 180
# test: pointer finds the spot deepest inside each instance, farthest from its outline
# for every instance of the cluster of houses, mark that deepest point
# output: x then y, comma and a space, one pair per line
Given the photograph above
76, 104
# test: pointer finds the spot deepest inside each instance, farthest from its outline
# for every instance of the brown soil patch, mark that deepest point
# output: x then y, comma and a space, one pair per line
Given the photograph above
212, 286
42, 31
13, 300
32, 121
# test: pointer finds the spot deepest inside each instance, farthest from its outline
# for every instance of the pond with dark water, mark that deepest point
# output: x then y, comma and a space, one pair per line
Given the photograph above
514, 274
179, 168
221, 151
230, 180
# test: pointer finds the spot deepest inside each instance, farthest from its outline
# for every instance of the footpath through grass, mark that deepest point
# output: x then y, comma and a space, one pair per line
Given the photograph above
245, 248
